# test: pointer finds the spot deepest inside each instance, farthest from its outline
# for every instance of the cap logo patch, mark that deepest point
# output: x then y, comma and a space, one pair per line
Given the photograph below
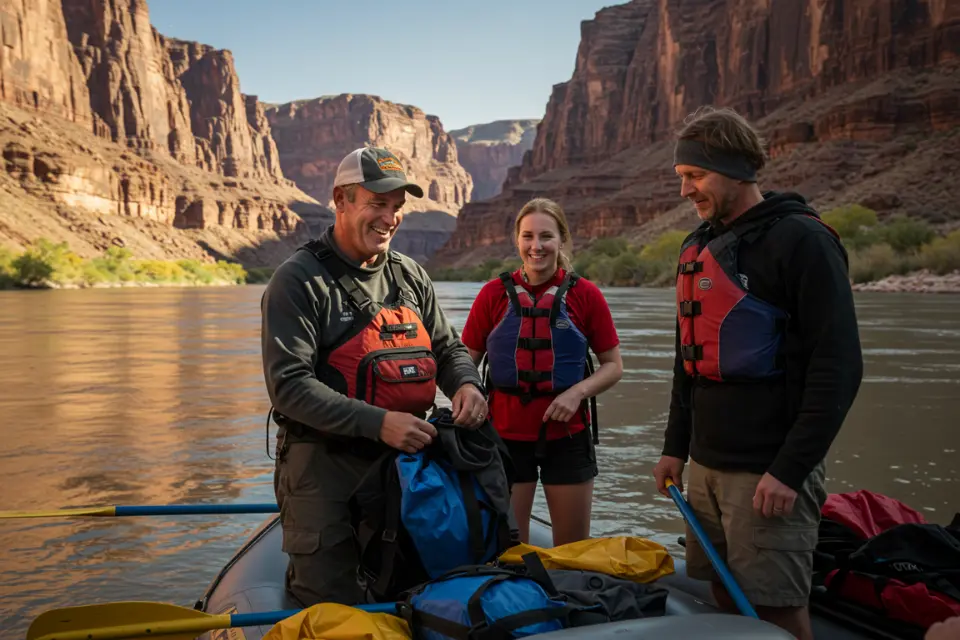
389, 164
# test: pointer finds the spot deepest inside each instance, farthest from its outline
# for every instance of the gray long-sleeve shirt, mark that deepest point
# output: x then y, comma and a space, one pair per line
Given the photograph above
304, 312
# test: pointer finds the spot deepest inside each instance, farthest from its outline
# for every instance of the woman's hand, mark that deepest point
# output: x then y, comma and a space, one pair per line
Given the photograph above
565, 405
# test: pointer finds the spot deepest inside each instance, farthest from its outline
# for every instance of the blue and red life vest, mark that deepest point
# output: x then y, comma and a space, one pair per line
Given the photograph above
727, 333
536, 349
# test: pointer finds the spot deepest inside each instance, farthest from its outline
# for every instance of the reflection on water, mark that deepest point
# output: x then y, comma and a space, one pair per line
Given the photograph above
156, 397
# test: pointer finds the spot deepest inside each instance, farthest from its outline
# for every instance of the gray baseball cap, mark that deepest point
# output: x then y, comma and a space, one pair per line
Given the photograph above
374, 169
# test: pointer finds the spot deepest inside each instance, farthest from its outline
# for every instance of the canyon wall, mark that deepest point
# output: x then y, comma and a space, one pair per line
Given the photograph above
858, 99
114, 134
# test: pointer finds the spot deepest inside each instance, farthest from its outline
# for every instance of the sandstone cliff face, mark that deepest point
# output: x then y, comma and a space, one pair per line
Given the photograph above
135, 140
38, 70
487, 151
840, 88
134, 93
233, 127
313, 136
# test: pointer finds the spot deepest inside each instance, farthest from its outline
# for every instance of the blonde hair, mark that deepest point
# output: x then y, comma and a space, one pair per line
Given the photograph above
725, 129
552, 209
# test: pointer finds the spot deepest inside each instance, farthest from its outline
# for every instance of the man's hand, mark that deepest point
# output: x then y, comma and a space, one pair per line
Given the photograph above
668, 467
406, 432
469, 407
773, 498
948, 629
564, 406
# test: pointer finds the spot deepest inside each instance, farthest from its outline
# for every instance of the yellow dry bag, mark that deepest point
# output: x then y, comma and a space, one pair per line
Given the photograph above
626, 557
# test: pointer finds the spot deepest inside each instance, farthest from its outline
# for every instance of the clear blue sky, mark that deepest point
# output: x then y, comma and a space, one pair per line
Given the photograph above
467, 62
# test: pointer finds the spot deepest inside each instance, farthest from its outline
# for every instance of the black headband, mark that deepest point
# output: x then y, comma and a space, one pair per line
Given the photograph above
731, 164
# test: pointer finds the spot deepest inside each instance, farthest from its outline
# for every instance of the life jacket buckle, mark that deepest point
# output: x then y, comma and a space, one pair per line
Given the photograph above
389, 535
690, 308
690, 267
692, 351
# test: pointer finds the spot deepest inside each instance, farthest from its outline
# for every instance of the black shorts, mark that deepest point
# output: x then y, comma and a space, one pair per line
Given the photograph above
567, 460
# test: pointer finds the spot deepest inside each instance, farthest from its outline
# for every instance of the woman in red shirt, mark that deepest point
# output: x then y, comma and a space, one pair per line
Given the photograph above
535, 325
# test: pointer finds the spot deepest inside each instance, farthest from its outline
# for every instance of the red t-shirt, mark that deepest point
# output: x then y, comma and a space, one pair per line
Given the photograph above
589, 312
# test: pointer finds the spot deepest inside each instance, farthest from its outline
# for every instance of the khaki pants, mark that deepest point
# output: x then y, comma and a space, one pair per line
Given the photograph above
313, 486
770, 558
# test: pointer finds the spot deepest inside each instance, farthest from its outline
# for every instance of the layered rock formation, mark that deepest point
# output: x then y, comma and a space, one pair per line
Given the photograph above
313, 136
859, 99
38, 69
234, 127
104, 117
487, 151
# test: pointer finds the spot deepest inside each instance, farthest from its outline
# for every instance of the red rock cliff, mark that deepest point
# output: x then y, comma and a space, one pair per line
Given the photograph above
234, 128
112, 134
313, 136
38, 69
858, 98
134, 92
487, 151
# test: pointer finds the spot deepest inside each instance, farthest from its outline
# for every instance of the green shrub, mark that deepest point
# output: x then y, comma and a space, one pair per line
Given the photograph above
850, 220
904, 234
7, 270
228, 272
942, 255
876, 262
259, 275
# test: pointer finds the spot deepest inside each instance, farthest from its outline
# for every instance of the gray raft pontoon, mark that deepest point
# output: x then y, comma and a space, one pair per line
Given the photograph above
253, 581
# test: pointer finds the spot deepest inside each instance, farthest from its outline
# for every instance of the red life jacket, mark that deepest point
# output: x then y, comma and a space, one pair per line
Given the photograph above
386, 357
726, 333
536, 349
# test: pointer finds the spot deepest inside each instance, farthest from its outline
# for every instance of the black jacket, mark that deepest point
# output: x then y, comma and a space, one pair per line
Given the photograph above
784, 427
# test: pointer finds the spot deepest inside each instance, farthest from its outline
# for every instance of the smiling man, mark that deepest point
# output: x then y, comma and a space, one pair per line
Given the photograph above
354, 347
768, 362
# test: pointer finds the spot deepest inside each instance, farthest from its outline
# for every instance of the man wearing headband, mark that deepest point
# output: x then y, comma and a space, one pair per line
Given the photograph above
768, 362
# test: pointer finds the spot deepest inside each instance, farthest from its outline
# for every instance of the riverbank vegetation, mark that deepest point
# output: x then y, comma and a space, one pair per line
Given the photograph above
53, 265
896, 246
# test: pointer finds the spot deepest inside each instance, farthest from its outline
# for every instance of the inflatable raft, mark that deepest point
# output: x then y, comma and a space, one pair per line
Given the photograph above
253, 581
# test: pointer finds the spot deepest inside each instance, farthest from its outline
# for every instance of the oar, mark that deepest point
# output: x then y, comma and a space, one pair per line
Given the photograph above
725, 576
148, 619
146, 510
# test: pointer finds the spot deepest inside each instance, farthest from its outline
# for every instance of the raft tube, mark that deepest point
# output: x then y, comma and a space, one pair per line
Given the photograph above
253, 581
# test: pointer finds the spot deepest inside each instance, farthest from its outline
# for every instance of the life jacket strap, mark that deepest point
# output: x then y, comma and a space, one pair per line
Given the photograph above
534, 376
389, 331
534, 343
534, 312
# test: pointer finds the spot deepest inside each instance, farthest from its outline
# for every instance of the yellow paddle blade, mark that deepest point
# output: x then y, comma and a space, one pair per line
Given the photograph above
124, 620
60, 513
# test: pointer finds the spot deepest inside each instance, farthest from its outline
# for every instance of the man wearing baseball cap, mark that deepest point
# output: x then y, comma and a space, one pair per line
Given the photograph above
354, 348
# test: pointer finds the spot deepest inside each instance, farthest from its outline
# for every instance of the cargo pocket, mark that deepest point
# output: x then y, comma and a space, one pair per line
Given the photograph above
783, 570
302, 525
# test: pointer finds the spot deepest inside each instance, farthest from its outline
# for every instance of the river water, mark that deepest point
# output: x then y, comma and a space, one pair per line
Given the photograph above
155, 396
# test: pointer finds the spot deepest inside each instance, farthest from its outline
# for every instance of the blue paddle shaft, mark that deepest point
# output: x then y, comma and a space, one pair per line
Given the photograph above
194, 509
732, 587
270, 618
